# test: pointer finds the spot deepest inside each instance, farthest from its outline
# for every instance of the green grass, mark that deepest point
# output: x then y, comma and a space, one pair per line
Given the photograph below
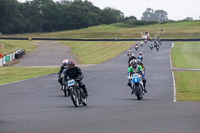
175, 30
12, 74
186, 55
11, 46
97, 52
88, 52
187, 85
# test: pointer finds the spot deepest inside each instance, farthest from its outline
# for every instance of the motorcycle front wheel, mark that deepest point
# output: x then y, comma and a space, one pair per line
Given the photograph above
74, 97
138, 92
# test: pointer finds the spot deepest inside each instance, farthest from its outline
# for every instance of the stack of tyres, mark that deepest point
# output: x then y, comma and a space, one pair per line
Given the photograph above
19, 53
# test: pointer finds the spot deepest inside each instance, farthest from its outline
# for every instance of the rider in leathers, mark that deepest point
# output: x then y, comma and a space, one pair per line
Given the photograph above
135, 68
62, 68
131, 58
74, 72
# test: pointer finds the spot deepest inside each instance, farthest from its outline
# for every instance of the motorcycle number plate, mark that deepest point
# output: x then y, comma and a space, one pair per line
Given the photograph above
71, 83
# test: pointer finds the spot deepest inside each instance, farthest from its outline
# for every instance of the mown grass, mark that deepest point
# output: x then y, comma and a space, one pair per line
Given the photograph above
12, 74
88, 53
97, 52
175, 30
186, 55
11, 46
187, 85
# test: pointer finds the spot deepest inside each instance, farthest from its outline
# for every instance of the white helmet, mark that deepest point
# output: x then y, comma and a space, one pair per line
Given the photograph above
65, 63
140, 53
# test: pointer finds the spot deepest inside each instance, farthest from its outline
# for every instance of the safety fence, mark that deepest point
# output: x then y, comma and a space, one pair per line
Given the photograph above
114, 39
16, 55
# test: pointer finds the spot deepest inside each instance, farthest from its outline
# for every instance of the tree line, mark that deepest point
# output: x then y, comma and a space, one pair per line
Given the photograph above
47, 16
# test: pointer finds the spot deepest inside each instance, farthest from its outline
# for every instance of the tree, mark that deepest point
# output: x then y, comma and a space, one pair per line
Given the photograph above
188, 18
11, 20
158, 15
111, 15
148, 15
130, 18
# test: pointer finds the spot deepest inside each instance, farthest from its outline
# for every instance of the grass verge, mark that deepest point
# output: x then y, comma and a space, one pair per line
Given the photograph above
11, 46
12, 74
88, 52
186, 55
187, 85
174, 30
97, 52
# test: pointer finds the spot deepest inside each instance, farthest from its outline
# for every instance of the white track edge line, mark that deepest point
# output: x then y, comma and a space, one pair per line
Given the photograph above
174, 82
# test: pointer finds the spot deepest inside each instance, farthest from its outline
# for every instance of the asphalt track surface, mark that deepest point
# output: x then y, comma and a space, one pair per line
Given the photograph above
39, 106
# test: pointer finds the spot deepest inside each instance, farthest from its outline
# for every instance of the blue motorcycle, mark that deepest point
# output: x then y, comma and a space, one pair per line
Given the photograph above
137, 86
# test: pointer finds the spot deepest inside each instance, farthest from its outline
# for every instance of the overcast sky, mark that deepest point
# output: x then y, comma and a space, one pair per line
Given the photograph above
176, 9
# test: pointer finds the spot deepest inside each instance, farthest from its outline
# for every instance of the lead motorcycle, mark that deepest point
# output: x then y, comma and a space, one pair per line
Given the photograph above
137, 86
77, 95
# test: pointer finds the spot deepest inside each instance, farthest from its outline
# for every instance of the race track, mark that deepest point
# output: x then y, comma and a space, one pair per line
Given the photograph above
39, 106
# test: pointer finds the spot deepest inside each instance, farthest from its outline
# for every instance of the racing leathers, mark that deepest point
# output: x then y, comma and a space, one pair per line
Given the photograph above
62, 68
76, 74
139, 70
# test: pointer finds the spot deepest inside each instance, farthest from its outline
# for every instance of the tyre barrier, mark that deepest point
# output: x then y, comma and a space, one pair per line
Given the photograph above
19, 53
16, 55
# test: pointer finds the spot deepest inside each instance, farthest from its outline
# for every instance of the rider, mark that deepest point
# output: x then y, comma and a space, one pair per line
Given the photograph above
129, 53
131, 58
151, 45
75, 72
141, 64
140, 56
62, 68
135, 68
141, 42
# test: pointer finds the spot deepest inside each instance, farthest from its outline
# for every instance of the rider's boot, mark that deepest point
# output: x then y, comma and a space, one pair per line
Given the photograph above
85, 91
129, 84
144, 84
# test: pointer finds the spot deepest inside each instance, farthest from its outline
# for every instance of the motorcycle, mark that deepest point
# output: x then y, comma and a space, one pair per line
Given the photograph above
151, 46
137, 86
136, 47
145, 41
157, 47
77, 95
140, 57
141, 43
129, 54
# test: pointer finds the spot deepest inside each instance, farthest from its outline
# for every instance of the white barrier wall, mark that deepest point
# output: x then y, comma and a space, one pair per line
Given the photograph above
1, 62
11, 57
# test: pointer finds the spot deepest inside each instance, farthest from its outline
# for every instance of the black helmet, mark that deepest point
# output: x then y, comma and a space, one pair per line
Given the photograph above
134, 63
